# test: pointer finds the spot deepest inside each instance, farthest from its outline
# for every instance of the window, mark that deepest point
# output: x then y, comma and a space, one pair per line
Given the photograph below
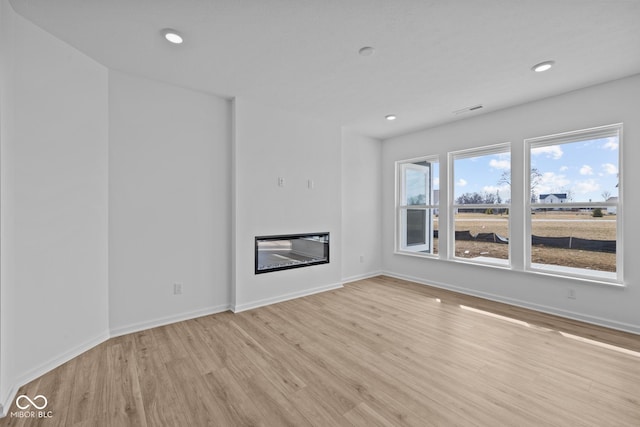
481, 189
573, 205
417, 206
569, 212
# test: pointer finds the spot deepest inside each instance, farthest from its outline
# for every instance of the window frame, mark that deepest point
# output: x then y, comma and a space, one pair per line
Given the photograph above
566, 271
399, 206
451, 232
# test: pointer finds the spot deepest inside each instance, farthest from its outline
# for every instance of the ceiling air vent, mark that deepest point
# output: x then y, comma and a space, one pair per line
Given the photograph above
468, 109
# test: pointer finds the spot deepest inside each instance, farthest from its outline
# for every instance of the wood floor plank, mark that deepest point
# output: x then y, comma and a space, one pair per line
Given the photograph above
81, 404
237, 407
159, 395
122, 397
379, 352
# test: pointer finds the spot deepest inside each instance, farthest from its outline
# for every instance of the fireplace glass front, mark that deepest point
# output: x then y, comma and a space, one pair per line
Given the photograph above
283, 252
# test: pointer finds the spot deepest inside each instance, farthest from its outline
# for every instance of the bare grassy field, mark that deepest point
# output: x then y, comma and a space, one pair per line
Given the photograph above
545, 224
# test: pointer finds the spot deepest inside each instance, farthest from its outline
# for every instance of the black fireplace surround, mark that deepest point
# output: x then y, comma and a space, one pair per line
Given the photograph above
283, 252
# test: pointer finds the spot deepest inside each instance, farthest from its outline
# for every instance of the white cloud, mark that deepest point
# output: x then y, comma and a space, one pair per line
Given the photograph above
504, 190
461, 182
550, 151
611, 144
551, 183
610, 168
564, 168
588, 186
500, 164
586, 170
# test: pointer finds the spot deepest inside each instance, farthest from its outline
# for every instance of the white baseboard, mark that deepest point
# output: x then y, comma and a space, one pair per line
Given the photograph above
136, 327
361, 277
594, 320
162, 321
48, 366
88, 345
286, 297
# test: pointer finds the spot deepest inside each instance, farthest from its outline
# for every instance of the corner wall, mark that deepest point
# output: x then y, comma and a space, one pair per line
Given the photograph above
361, 206
169, 203
54, 123
7, 242
611, 306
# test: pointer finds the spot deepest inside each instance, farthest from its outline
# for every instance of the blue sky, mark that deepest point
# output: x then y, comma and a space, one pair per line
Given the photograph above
482, 175
583, 169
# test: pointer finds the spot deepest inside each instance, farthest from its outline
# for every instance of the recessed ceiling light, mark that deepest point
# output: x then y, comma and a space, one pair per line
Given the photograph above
172, 36
391, 117
366, 51
543, 66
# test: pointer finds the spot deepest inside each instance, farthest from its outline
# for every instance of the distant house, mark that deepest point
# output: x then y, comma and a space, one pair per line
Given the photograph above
612, 210
553, 198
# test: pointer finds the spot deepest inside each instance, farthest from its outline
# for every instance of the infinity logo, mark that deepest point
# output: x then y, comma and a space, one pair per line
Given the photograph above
24, 397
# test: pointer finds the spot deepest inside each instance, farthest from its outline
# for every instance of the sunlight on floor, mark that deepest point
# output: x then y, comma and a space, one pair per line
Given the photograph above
564, 334
497, 316
600, 344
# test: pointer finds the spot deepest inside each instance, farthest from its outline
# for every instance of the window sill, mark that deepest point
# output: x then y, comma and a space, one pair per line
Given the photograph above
503, 264
572, 273
417, 254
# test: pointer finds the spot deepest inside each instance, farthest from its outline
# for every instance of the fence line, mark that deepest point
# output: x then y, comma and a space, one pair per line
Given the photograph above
608, 246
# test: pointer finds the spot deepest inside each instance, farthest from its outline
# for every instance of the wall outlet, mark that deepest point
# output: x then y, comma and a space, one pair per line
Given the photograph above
177, 288
571, 294
280, 181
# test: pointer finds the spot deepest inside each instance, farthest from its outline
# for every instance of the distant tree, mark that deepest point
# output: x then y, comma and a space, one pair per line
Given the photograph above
605, 195
489, 198
505, 178
535, 180
498, 198
420, 199
597, 213
478, 199
570, 195
470, 199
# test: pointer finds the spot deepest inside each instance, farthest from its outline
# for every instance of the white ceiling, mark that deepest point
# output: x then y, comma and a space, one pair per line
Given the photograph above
432, 56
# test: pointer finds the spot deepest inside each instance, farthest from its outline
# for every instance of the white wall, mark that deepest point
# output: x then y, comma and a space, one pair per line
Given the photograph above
169, 203
54, 203
268, 144
361, 205
113, 188
6, 196
609, 103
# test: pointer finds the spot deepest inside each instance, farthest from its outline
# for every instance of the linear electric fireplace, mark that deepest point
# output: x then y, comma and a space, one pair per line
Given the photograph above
287, 251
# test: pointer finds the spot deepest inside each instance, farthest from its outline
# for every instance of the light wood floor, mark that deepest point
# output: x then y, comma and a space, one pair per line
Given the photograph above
380, 352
